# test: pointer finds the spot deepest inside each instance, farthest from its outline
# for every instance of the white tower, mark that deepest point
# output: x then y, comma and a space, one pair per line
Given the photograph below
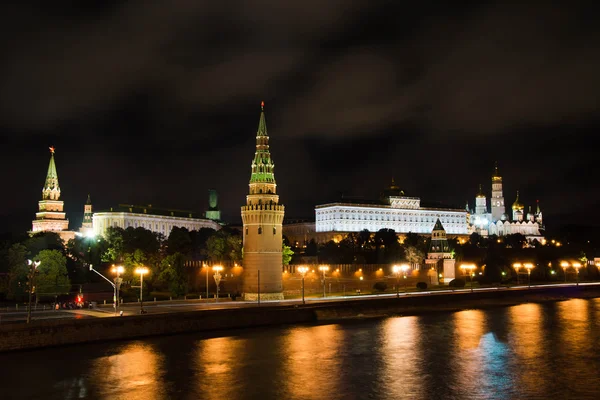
480, 202
497, 199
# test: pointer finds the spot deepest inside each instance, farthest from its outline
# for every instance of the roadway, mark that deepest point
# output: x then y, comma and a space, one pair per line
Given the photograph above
128, 309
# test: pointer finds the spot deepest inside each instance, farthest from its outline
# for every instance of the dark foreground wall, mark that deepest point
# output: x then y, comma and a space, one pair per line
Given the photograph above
55, 333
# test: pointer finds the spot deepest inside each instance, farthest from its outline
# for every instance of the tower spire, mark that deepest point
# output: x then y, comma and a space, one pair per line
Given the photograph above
262, 165
52, 176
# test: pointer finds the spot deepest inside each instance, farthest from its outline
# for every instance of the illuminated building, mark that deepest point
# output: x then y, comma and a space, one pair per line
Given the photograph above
154, 219
394, 211
51, 216
439, 255
497, 222
262, 218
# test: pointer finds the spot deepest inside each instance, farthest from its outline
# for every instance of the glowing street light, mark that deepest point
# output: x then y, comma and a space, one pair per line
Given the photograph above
517, 266
31, 277
564, 265
217, 276
470, 268
323, 269
529, 267
118, 269
303, 270
397, 269
576, 265
142, 271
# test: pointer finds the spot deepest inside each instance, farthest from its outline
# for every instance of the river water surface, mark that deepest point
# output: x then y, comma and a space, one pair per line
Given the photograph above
529, 351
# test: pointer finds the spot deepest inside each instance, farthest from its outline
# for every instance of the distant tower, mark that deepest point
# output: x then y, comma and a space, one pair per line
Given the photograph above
87, 214
538, 214
497, 199
480, 202
439, 255
262, 217
51, 216
518, 208
213, 211
530, 216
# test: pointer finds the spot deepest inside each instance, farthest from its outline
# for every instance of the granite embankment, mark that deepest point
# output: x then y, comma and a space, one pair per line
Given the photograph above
40, 334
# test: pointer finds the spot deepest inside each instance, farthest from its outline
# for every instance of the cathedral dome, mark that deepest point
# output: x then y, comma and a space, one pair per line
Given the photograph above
480, 194
517, 205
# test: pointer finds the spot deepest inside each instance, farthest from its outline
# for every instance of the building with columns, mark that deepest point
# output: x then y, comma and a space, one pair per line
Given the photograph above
51, 216
157, 220
497, 222
262, 218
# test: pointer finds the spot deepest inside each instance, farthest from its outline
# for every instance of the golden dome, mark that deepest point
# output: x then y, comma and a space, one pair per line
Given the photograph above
517, 205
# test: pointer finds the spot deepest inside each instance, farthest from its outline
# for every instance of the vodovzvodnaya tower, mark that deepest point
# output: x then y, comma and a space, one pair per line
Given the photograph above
262, 217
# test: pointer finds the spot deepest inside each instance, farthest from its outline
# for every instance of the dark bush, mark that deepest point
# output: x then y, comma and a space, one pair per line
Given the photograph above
422, 285
380, 286
457, 283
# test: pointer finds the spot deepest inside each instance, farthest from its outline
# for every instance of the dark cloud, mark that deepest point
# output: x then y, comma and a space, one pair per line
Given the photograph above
159, 100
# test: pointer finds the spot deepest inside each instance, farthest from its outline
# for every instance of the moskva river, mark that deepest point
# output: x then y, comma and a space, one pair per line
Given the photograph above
529, 351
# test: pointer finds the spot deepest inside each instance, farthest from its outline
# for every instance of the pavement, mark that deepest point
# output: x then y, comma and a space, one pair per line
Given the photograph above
171, 306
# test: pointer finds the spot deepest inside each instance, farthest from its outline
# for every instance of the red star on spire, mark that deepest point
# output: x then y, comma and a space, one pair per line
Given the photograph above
262, 105
51, 149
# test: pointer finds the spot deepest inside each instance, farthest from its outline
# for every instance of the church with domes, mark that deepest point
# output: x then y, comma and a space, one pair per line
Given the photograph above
496, 221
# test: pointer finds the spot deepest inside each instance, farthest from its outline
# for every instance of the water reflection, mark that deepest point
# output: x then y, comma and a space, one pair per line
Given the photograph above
312, 361
216, 367
402, 375
135, 371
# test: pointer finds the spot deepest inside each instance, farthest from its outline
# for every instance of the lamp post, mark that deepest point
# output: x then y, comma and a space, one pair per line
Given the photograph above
206, 266
404, 268
517, 266
323, 269
118, 269
303, 270
141, 271
529, 267
470, 268
31, 276
396, 269
217, 276
109, 281
576, 265
564, 265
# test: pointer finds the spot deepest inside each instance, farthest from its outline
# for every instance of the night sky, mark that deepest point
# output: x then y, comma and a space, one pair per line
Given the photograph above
155, 102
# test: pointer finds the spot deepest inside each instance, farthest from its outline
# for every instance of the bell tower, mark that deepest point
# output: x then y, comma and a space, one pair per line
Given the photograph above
497, 200
51, 216
262, 217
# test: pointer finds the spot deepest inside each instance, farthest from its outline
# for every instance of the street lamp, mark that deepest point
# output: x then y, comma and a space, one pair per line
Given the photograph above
404, 268
517, 266
564, 265
141, 271
470, 268
396, 269
576, 265
323, 269
118, 269
217, 276
206, 266
109, 281
303, 270
529, 267
31, 276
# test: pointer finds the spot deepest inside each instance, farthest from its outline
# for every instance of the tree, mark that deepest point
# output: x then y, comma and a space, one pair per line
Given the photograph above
173, 272
216, 246
44, 241
179, 241
311, 248
414, 255
18, 269
53, 278
286, 254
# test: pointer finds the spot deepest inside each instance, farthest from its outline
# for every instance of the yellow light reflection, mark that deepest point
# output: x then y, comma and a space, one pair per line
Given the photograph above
402, 360
309, 367
216, 359
131, 373
469, 328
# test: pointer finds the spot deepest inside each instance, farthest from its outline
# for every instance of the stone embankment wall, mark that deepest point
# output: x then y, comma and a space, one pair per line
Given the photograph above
40, 334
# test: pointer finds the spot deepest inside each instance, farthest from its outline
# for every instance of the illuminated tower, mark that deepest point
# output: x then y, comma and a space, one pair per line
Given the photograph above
87, 213
213, 211
262, 217
497, 199
518, 208
480, 202
50, 216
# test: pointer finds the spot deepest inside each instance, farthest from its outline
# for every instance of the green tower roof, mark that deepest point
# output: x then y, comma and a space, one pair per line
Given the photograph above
52, 175
262, 165
438, 226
